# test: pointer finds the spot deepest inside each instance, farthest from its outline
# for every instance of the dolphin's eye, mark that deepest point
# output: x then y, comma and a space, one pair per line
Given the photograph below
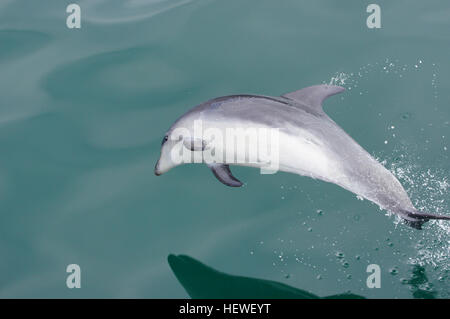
164, 139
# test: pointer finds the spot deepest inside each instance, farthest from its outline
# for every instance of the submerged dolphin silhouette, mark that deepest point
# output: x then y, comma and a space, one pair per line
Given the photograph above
203, 282
310, 144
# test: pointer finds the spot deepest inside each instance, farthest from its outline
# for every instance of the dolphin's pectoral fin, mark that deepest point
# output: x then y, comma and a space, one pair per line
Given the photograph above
223, 174
313, 96
195, 144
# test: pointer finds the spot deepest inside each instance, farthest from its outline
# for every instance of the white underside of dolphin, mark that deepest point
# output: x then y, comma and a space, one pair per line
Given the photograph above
311, 144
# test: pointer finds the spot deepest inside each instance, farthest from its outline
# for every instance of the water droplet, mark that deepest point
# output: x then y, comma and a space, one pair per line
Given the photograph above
287, 276
349, 276
310, 229
340, 254
357, 257
319, 212
406, 116
393, 271
319, 277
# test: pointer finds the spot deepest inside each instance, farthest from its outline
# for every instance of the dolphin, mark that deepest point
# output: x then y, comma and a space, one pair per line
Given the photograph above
310, 144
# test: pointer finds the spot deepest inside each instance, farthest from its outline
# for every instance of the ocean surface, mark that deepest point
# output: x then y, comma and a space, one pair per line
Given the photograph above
83, 112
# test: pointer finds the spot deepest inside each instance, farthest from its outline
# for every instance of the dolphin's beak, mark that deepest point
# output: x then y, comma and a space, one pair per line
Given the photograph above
164, 163
157, 170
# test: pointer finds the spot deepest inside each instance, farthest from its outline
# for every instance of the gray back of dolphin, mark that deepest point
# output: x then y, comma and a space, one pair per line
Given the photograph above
301, 112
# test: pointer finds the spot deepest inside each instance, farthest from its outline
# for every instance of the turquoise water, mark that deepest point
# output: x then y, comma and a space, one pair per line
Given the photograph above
83, 112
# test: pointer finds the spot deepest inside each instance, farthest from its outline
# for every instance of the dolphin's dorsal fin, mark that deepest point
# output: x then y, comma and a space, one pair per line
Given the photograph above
223, 174
313, 96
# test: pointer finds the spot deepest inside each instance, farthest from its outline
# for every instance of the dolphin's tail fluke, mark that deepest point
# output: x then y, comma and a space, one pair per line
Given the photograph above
416, 218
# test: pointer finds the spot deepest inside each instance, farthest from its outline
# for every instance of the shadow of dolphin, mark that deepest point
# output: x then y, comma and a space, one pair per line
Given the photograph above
203, 282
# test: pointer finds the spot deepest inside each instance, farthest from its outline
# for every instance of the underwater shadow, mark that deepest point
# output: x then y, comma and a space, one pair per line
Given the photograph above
203, 282
420, 287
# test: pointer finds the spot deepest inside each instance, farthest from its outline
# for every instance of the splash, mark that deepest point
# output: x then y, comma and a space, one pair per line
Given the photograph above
388, 67
339, 79
408, 252
430, 191
428, 188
